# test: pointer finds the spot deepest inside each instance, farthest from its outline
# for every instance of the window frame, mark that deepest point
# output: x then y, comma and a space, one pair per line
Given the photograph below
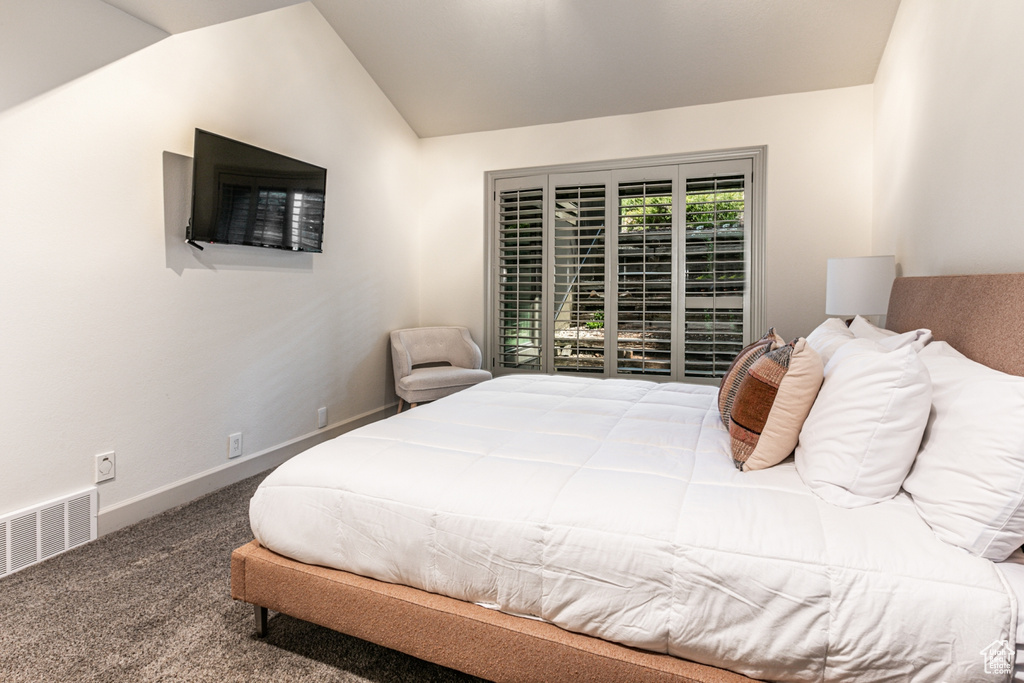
615, 170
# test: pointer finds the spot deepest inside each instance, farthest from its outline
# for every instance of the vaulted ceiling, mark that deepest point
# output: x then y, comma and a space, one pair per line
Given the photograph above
455, 66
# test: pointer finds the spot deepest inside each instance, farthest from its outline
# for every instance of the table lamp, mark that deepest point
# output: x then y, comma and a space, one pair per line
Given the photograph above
859, 285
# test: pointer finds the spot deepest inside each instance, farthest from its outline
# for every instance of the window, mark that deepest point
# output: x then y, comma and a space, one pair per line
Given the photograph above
521, 287
642, 268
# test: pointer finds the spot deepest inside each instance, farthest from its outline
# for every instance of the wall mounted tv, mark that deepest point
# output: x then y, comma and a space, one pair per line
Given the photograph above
246, 195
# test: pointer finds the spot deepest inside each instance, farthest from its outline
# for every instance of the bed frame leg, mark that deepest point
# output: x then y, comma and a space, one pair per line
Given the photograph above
261, 620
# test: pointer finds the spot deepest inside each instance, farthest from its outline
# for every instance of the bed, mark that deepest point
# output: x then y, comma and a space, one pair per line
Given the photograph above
499, 532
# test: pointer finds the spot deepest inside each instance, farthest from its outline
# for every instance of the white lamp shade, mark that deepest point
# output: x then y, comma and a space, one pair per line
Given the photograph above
859, 286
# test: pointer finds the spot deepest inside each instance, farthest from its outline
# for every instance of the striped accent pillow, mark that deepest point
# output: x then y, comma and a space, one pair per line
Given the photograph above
771, 404
738, 370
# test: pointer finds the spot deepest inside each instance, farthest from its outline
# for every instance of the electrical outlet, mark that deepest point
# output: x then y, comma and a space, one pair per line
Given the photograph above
106, 466
321, 418
235, 445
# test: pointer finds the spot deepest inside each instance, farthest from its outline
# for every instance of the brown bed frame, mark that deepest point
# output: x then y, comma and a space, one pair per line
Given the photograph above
980, 315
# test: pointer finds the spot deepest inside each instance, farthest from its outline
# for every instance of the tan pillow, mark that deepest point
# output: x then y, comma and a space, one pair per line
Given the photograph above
739, 367
771, 404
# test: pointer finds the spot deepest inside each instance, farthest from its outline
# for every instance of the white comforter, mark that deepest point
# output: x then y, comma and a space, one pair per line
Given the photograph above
612, 508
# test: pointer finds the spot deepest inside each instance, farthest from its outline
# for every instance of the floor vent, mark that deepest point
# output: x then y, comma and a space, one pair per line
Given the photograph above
34, 534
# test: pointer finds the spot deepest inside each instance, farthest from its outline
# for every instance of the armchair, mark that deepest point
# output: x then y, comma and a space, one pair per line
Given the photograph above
433, 362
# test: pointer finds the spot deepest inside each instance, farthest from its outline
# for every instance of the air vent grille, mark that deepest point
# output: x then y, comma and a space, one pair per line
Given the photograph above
23, 542
34, 534
80, 520
52, 539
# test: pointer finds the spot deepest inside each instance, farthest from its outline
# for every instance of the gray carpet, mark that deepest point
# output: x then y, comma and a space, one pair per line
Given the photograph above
151, 602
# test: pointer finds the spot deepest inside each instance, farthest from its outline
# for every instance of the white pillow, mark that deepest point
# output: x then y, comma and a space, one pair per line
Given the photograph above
865, 427
968, 480
863, 328
828, 337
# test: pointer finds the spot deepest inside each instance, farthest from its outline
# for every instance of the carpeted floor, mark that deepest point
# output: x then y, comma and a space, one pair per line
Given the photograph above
151, 602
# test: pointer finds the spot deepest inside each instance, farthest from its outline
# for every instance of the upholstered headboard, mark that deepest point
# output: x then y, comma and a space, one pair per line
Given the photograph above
981, 316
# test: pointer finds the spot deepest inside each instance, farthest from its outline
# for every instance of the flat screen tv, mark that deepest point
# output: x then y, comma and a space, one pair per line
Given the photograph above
246, 195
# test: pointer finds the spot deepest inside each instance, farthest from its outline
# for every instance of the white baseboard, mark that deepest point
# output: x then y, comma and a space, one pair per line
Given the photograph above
185, 490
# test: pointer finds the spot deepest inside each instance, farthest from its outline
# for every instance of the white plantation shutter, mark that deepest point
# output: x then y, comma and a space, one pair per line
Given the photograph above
520, 285
651, 271
578, 285
717, 271
644, 278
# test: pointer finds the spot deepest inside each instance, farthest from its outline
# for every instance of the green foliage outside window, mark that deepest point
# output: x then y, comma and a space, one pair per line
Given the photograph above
645, 213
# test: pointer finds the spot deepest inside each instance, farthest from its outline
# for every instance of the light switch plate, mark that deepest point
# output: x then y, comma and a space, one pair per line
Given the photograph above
235, 445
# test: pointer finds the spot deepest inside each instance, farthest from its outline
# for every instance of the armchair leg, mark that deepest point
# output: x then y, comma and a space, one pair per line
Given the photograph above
401, 402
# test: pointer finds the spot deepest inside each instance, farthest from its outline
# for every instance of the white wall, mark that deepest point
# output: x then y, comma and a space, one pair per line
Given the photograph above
44, 43
949, 147
818, 196
117, 336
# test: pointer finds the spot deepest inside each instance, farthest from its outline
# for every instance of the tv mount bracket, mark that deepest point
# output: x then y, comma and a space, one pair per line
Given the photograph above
189, 241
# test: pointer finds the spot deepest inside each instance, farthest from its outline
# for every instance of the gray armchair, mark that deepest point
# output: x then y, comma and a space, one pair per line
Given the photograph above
433, 362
